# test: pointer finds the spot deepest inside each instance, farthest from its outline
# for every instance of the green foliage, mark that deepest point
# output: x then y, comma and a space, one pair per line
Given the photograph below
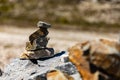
61, 20
5, 6
53, 2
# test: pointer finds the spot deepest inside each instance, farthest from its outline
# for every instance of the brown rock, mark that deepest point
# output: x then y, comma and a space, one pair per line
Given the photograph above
76, 57
42, 32
37, 44
96, 59
58, 75
36, 47
42, 53
105, 54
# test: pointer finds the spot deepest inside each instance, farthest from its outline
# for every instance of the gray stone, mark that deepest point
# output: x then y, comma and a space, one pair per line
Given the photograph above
68, 68
38, 76
42, 53
37, 69
43, 24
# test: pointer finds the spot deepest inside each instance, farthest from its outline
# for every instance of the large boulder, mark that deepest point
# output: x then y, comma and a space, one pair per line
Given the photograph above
97, 60
54, 68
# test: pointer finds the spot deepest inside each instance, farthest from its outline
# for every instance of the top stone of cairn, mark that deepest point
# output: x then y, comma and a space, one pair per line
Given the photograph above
42, 24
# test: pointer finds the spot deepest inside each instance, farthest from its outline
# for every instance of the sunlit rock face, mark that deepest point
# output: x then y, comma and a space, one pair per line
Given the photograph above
98, 59
53, 68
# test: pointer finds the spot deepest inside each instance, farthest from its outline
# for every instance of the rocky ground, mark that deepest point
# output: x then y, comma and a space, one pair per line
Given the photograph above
13, 39
43, 69
97, 59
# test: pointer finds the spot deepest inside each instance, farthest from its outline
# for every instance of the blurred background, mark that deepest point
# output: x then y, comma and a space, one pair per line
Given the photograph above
72, 21
84, 14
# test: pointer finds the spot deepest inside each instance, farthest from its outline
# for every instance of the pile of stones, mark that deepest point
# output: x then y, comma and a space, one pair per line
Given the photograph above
37, 46
39, 62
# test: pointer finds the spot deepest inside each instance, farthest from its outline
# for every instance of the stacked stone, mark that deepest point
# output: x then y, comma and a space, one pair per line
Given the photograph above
37, 46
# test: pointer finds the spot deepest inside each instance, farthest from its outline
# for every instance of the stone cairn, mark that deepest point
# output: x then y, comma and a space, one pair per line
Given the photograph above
37, 46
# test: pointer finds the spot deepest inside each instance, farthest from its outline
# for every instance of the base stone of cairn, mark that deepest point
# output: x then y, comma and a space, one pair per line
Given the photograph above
55, 68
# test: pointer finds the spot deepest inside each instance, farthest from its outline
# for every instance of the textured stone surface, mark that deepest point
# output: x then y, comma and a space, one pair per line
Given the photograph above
42, 53
37, 44
39, 69
76, 57
96, 60
106, 55
36, 47
58, 75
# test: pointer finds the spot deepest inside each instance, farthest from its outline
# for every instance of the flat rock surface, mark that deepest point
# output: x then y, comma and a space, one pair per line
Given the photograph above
30, 69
